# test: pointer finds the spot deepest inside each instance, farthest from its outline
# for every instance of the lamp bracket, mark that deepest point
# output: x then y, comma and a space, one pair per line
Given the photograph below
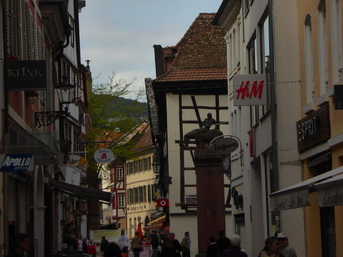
47, 118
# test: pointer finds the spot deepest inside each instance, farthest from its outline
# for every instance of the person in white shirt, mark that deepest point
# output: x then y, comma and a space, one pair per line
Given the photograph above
122, 240
285, 248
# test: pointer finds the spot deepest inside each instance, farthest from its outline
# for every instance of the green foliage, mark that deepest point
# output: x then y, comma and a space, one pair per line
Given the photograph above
110, 112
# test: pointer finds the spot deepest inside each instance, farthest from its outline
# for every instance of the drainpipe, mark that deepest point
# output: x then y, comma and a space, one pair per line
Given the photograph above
273, 104
6, 129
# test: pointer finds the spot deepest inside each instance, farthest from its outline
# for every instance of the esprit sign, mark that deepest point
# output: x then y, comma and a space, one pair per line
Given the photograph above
224, 145
249, 90
16, 162
104, 156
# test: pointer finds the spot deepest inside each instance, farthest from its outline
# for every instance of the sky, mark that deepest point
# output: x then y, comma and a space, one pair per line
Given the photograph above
118, 36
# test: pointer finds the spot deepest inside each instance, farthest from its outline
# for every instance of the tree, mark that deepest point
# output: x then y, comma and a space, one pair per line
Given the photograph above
113, 118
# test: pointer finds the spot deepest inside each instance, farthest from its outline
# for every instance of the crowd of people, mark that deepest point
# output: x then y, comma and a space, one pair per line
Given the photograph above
164, 245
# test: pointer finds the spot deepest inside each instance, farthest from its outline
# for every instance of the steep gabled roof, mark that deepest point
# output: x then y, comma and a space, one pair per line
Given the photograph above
201, 53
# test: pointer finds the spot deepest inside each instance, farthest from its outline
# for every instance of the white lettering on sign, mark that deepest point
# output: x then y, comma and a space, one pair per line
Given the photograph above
16, 161
250, 89
308, 128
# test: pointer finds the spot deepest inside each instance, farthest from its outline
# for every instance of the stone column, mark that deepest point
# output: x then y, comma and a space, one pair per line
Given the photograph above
210, 195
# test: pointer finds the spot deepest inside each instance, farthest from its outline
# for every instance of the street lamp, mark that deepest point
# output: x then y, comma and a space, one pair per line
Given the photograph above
65, 92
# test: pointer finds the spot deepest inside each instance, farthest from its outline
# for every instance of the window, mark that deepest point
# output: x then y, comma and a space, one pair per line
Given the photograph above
309, 60
323, 58
265, 55
145, 164
336, 35
252, 55
119, 174
246, 6
121, 201
72, 32
253, 69
141, 195
149, 193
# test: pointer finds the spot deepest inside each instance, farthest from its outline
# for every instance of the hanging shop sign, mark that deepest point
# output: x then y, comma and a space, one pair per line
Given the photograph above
26, 75
314, 129
104, 156
15, 162
224, 145
162, 203
75, 161
250, 90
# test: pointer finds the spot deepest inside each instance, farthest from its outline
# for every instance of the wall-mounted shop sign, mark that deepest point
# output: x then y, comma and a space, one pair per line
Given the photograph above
15, 162
224, 145
26, 75
75, 161
250, 90
104, 156
314, 129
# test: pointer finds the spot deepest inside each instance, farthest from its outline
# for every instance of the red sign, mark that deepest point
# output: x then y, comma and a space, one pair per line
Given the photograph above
250, 89
163, 203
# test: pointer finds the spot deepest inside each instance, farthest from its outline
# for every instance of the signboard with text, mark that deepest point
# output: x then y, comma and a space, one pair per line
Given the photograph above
16, 162
250, 90
26, 75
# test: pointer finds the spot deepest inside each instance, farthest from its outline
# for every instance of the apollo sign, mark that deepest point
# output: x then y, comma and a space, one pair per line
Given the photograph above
15, 162
224, 145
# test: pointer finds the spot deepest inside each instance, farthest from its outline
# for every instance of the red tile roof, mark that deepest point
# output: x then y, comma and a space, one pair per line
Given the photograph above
201, 53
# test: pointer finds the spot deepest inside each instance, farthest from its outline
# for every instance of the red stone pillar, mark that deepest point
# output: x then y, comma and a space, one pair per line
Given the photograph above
210, 196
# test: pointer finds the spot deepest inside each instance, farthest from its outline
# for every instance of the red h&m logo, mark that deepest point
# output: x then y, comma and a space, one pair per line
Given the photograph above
250, 89
255, 91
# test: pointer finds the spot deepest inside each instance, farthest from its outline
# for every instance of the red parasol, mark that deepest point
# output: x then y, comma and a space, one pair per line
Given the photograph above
139, 230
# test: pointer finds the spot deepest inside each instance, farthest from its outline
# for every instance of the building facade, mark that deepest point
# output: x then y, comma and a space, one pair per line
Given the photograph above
263, 57
319, 129
190, 85
45, 195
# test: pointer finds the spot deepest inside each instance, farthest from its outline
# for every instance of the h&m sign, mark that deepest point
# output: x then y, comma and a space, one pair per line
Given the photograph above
26, 75
250, 90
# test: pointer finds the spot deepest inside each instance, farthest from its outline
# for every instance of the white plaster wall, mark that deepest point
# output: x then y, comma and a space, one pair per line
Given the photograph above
179, 221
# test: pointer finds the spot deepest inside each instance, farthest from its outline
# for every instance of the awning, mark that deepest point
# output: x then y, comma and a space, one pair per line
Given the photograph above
82, 192
158, 220
296, 195
157, 225
330, 191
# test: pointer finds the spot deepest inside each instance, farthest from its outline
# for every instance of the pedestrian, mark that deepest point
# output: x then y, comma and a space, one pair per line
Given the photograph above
271, 248
213, 248
125, 252
177, 245
235, 248
103, 244
154, 243
112, 250
186, 245
285, 247
91, 249
122, 240
136, 245
168, 248
19, 245
223, 241
79, 244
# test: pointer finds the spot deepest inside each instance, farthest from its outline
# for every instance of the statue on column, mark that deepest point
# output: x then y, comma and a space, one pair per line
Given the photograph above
204, 134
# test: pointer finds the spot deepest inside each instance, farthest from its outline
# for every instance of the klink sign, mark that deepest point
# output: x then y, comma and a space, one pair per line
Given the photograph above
224, 145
